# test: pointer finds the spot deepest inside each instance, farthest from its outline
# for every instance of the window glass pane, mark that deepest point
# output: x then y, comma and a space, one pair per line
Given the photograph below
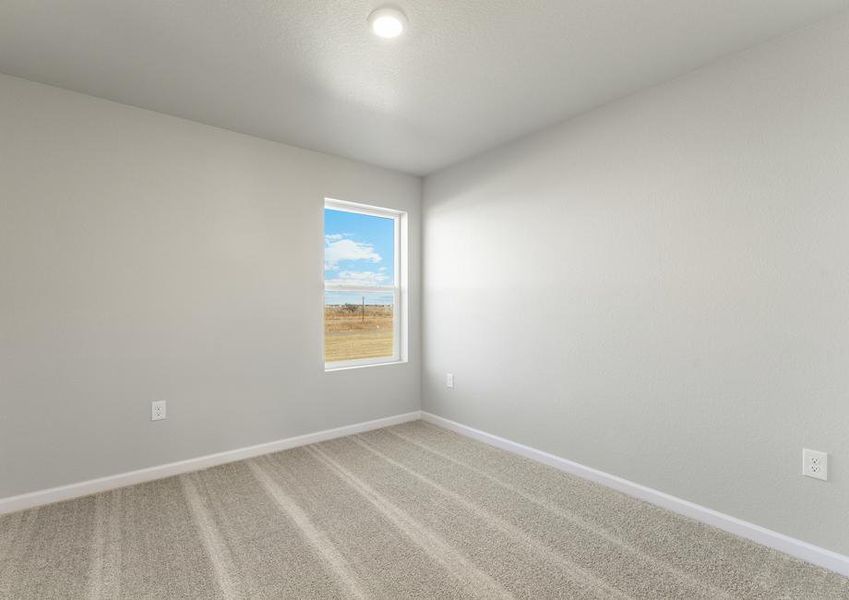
359, 249
358, 325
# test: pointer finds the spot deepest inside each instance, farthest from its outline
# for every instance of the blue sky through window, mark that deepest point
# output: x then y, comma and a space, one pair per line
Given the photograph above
359, 250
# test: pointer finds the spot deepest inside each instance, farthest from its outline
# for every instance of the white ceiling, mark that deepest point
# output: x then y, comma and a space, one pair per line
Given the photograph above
468, 75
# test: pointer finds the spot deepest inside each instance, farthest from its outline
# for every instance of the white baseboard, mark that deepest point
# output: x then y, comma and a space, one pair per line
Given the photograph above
761, 535
102, 484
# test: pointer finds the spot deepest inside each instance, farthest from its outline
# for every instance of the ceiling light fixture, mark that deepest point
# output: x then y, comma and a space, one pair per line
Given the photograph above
387, 22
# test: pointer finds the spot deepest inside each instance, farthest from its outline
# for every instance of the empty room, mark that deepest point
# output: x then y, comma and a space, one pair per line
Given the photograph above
424, 299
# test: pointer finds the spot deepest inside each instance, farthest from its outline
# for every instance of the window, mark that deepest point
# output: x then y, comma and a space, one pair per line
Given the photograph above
364, 285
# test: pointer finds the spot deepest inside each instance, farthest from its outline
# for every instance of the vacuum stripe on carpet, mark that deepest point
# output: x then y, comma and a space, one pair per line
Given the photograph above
588, 581
703, 588
216, 549
479, 584
313, 536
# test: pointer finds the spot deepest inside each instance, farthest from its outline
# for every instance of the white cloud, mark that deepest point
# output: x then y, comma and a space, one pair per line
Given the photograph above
333, 237
359, 278
339, 249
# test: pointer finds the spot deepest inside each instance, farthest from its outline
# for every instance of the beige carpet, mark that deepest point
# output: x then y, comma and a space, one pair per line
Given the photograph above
412, 511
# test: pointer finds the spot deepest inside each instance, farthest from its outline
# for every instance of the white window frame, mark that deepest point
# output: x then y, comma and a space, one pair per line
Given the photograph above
398, 288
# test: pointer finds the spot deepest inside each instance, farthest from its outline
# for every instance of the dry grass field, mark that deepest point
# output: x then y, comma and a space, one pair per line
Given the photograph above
349, 334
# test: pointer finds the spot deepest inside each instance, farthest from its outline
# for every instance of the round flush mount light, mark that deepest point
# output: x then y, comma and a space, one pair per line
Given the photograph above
387, 22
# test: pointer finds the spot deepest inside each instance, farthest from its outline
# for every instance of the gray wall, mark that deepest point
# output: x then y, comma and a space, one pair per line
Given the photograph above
144, 257
660, 288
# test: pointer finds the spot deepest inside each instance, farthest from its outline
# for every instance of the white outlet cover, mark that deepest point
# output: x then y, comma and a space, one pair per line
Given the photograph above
815, 464
449, 380
157, 410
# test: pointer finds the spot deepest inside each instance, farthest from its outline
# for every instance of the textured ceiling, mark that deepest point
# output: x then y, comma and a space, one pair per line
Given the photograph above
468, 75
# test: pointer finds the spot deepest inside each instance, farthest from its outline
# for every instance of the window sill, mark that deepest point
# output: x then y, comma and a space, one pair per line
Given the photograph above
365, 366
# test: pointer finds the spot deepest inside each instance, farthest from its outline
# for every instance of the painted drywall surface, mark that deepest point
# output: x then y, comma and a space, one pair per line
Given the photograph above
465, 76
144, 257
660, 288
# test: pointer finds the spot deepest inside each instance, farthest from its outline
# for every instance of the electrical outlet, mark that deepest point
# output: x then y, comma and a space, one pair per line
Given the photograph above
157, 410
449, 380
815, 464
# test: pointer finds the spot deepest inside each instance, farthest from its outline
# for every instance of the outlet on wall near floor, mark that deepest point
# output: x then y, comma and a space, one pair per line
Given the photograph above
157, 410
815, 464
449, 380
